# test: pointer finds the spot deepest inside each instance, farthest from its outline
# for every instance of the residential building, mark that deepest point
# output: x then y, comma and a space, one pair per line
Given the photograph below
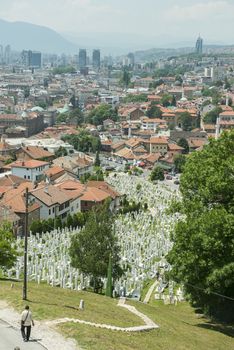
34, 152
32, 170
152, 123
225, 121
76, 164
158, 145
15, 199
53, 202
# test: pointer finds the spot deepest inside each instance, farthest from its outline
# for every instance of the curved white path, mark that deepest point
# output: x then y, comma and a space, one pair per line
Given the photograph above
149, 293
149, 324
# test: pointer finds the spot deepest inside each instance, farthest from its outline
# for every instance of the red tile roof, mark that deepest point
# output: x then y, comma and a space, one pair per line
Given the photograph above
32, 163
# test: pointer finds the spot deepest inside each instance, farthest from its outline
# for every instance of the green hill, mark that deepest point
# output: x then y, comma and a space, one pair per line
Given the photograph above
180, 327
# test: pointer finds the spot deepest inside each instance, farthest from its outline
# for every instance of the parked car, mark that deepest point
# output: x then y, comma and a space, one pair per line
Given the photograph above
176, 182
168, 177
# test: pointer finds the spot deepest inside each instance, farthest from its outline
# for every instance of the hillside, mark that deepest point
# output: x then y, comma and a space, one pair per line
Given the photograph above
180, 327
22, 35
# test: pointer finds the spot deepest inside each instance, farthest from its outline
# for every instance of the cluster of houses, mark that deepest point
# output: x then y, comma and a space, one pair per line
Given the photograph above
53, 185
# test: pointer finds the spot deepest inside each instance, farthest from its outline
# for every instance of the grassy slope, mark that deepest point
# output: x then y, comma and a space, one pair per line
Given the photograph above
180, 328
52, 303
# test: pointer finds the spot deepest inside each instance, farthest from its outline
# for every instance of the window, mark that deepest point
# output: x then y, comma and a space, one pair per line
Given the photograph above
53, 209
25, 176
49, 211
29, 177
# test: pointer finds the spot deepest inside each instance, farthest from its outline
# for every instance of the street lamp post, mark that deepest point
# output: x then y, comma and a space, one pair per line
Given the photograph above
25, 246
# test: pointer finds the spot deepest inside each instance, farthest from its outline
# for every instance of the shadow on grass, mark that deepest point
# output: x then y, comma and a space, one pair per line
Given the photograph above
54, 304
225, 329
6, 279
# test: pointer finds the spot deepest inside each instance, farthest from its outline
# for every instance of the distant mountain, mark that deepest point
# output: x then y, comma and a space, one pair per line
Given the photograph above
22, 35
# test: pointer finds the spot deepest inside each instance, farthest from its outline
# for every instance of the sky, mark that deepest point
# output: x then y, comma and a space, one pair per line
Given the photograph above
171, 20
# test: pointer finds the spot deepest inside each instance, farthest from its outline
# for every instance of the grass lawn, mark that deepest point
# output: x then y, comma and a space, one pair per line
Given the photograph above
180, 328
52, 303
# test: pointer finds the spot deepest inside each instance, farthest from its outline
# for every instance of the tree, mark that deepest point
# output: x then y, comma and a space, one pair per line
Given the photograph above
179, 162
212, 116
91, 247
202, 256
126, 78
166, 100
7, 252
173, 101
186, 121
109, 278
61, 152
135, 98
183, 143
97, 161
154, 112
84, 141
101, 113
157, 174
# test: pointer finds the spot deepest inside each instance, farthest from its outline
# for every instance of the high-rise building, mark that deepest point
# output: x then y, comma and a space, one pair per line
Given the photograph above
96, 59
31, 58
7, 54
199, 45
82, 58
35, 59
1, 55
131, 58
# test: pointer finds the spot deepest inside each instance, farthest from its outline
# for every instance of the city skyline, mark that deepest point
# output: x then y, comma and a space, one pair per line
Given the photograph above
165, 22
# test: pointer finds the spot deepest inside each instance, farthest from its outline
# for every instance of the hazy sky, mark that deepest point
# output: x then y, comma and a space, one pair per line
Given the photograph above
180, 19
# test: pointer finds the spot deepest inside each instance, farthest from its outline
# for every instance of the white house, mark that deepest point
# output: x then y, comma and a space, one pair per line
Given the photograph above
152, 123
30, 169
53, 202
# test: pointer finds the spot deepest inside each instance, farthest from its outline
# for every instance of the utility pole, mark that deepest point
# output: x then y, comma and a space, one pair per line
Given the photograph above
25, 246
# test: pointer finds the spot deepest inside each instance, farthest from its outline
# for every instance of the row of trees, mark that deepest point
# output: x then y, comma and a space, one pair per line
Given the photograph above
76, 220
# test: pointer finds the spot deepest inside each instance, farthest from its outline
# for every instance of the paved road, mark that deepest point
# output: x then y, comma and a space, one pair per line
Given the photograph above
10, 338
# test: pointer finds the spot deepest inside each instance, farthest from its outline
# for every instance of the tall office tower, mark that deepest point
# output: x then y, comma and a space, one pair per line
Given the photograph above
31, 58
131, 58
199, 45
1, 54
82, 58
7, 54
35, 59
96, 59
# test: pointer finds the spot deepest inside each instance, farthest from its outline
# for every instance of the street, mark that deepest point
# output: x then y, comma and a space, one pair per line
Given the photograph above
10, 338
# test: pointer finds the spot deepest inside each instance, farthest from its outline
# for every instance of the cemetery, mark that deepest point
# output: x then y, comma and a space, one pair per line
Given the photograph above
143, 237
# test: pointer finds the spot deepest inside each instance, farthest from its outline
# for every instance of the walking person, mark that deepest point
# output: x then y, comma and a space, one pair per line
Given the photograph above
26, 323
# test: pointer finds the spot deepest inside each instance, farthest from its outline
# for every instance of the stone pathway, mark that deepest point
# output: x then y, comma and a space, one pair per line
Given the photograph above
149, 324
149, 293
